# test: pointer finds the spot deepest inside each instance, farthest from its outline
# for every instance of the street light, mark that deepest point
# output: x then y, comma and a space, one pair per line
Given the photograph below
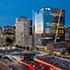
3, 48
8, 48
13, 47
0, 48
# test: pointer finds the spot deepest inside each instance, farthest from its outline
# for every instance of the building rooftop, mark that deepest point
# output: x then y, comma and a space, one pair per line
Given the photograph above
21, 18
48, 9
67, 29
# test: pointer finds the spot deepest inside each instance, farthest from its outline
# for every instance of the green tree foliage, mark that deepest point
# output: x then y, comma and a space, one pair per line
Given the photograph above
9, 41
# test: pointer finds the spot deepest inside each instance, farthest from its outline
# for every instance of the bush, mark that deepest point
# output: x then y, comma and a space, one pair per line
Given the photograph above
62, 52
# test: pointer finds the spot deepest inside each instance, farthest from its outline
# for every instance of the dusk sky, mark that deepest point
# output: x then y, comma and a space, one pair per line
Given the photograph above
10, 9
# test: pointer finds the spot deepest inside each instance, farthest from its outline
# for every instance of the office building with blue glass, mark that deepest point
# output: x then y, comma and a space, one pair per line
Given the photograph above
48, 25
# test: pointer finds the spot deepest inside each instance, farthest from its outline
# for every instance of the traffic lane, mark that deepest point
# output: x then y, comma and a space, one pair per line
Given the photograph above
17, 67
55, 61
29, 64
12, 64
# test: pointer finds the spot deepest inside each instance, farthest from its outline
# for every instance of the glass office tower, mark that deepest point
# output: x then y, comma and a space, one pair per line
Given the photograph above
46, 22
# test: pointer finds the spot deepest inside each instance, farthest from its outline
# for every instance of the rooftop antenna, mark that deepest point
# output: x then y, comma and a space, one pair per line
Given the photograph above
57, 26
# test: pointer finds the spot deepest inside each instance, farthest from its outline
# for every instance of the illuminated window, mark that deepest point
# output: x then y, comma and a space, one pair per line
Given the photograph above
62, 31
54, 24
53, 30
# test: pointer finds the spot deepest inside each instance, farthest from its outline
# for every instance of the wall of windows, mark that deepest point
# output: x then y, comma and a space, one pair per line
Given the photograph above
46, 23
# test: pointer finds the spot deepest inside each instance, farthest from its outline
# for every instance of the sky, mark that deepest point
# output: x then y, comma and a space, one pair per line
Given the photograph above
11, 9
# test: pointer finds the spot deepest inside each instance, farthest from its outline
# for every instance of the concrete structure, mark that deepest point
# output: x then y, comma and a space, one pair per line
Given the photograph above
67, 34
59, 48
23, 32
48, 23
3, 66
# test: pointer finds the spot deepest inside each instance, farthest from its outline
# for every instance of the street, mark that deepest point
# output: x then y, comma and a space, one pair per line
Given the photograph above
26, 60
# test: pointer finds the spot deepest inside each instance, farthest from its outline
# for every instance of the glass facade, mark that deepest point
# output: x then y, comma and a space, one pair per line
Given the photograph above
38, 23
47, 17
46, 24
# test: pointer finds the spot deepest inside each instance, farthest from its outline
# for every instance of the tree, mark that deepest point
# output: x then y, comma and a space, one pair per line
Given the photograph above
9, 41
63, 52
68, 50
27, 48
37, 48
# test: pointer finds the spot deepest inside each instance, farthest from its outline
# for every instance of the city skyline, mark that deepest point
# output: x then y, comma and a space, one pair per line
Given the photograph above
11, 9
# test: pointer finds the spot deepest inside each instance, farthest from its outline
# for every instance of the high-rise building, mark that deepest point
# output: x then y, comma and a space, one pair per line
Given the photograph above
23, 32
67, 34
48, 26
7, 32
